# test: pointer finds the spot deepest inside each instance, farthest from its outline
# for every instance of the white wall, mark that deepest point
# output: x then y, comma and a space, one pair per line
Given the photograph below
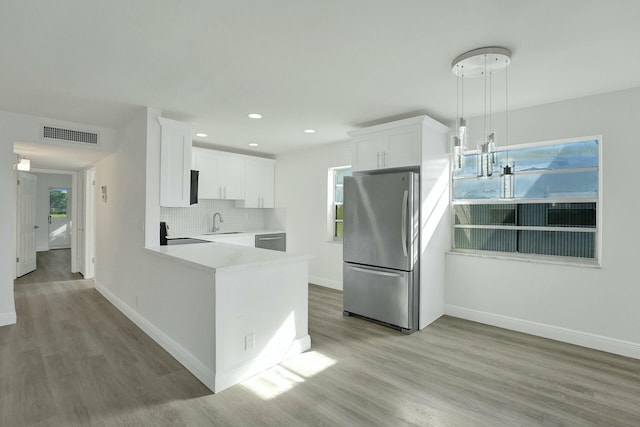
596, 307
46, 181
301, 188
22, 128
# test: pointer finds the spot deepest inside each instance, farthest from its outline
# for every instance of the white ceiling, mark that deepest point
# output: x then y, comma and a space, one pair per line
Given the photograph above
330, 65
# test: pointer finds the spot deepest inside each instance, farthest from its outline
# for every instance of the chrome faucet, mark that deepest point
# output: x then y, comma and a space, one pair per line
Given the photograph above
214, 221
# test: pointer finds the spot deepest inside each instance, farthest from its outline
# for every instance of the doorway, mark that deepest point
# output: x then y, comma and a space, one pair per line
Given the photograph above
59, 230
64, 227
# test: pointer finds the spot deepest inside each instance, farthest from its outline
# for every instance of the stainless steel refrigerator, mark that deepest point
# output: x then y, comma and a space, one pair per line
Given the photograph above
381, 272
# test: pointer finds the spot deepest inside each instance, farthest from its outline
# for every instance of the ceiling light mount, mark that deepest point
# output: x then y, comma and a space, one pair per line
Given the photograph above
473, 63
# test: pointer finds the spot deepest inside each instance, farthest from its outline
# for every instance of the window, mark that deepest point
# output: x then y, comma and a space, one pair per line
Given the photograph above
336, 199
555, 208
58, 203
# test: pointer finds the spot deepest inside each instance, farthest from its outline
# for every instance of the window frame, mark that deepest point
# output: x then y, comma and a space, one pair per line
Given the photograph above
332, 203
555, 259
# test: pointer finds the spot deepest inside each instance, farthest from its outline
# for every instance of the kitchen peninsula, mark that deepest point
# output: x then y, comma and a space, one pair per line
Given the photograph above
226, 312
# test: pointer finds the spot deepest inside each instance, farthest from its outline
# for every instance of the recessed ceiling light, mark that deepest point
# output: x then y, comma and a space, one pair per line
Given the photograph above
253, 144
201, 135
255, 116
309, 131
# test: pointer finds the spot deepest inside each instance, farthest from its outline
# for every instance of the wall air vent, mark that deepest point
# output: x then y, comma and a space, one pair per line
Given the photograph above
71, 135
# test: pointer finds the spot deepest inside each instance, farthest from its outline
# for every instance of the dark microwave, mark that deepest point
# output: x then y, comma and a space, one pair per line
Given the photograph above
193, 199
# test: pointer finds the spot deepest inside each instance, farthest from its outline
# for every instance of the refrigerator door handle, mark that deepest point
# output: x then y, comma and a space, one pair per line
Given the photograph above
379, 273
405, 203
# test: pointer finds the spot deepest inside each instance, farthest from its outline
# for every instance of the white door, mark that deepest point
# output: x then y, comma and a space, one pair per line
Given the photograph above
89, 224
80, 220
26, 224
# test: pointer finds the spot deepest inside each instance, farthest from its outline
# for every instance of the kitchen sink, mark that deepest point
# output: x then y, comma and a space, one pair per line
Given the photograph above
222, 232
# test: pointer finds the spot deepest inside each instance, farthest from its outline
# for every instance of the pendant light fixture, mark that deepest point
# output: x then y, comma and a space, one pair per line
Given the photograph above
460, 138
481, 62
507, 178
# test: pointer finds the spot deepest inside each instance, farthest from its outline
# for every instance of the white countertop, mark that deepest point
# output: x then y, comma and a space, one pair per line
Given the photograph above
222, 235
224, 256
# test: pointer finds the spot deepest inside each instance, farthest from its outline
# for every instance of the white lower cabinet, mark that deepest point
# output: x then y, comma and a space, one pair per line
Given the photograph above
259, 183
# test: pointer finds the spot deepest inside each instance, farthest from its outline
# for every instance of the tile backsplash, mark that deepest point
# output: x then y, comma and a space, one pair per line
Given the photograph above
198, 219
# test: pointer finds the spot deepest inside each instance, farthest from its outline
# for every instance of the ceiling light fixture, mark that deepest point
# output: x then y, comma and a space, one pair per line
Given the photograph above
255, 116
481, 62
309, 131
253, 144
201, 135
24, 164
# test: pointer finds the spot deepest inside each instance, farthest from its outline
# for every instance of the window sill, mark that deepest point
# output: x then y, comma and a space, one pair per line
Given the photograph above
335, 241
540, 259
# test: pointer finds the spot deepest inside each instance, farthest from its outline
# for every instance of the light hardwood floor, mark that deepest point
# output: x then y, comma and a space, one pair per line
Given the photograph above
74, 360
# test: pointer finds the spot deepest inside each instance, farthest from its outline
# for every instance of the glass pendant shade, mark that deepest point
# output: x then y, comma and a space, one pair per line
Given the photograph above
457, 152
462, 133
507, 182
485, 160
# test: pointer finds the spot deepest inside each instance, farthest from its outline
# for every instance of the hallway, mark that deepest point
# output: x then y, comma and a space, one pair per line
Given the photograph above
51, 266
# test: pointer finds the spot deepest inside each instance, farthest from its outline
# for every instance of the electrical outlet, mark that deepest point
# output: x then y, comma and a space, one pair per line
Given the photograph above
249, 342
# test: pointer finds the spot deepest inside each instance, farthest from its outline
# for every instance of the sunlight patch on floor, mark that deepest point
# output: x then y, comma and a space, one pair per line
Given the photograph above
282, 378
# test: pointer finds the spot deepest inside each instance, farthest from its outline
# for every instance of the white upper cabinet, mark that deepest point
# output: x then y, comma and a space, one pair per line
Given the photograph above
259, 183
392, 145
221, 174
175, 163
207, 163
231, 177
366, 151
401, 146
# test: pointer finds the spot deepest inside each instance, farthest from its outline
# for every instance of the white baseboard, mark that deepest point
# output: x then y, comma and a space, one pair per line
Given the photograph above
7, 318
188, 360
327, 283
253, 367
571, 336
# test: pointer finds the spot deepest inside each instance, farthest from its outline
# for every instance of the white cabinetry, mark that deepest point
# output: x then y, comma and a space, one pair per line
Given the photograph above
175, 163
392, 145
258, 183
221, 174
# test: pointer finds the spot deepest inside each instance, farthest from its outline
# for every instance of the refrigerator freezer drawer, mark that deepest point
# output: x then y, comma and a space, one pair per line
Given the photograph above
380, 294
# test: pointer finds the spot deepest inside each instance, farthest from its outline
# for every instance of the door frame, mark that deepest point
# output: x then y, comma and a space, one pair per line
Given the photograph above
89, 216
74, 212
69, 218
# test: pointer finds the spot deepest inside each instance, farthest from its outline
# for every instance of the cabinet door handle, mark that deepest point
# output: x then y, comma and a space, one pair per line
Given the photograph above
378, 159
384, 159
